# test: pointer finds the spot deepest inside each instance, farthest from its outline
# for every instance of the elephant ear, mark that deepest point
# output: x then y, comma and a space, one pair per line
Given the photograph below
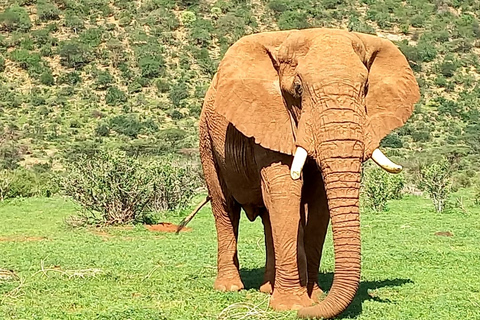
248, 92
392, 87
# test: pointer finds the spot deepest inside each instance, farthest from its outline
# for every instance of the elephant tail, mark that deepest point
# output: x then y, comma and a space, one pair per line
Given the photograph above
188, 218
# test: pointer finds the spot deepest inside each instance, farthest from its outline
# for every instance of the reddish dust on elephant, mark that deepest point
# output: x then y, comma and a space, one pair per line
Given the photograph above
286, 124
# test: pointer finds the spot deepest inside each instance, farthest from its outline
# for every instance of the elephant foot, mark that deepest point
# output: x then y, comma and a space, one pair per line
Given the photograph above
228, 284
290, 300
315, 293
266, 287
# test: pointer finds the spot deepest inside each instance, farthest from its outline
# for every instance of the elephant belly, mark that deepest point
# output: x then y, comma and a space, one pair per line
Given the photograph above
235, 157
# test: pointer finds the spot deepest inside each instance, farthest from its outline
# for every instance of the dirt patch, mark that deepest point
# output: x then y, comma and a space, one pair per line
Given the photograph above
444, 234
21, 239
165, 227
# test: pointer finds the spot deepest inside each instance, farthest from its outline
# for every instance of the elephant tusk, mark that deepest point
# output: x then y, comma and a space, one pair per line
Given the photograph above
298, 162
384, 162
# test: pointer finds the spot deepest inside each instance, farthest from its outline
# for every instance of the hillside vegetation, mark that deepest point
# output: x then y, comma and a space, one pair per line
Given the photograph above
132, 74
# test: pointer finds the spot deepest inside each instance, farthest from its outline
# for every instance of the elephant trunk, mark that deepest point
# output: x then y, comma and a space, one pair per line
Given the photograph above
342, 186
339, 156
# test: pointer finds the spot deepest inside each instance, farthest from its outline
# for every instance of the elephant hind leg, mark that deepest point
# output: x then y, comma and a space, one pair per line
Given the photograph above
227, 217
226, 212
269, 277
317, 218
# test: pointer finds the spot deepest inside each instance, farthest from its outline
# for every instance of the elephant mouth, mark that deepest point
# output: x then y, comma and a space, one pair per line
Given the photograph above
377, 156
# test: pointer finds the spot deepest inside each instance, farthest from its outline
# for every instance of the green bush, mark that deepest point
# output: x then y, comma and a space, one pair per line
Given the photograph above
70, 78
47, 79
104, 80
292, 20
113, 188
379, 186
128, 125
92, 37
10, 155
436, 181
162, 85
417, 21
392, 140
476, 195
354, 24
447, 68
151, 67
73, 22
24, 183
178, 92
2, 64
15, 18
47, 11
115, 96
102, 130
32, 62
279, 6
201, 32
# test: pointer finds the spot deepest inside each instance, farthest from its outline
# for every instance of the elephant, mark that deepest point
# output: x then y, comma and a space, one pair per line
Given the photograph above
286, 123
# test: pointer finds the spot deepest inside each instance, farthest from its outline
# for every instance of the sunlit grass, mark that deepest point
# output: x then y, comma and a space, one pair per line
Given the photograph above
408, 271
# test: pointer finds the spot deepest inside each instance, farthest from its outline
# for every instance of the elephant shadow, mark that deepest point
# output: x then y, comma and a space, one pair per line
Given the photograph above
252, 279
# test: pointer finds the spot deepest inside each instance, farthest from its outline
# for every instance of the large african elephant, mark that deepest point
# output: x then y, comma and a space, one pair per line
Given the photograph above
317, 100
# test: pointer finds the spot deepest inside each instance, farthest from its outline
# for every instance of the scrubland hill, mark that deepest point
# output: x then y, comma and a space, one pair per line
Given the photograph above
75, 74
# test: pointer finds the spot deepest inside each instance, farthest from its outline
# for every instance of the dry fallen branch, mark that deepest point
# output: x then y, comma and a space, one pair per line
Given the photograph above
83, 273
242, 310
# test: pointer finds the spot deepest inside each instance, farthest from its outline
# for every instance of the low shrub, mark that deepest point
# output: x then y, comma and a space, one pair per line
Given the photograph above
379, 186
15, 18
24, 183
47, 11
112, 188
436, 181
115, 96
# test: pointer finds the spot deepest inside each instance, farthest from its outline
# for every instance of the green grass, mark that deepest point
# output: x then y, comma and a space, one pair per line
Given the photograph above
408, 272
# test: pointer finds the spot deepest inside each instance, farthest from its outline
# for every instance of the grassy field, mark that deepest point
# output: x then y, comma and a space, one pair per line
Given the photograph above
409, 271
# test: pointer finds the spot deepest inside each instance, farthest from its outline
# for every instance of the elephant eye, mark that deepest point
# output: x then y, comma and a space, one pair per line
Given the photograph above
298, 89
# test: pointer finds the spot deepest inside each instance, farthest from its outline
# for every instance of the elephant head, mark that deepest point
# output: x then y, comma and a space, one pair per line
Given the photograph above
331, 95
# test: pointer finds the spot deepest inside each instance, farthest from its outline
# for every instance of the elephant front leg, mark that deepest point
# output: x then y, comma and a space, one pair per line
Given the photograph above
269, 277
282, 197
227, 218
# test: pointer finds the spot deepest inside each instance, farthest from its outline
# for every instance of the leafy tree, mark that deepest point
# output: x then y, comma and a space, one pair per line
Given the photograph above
73, 54
10, 156
412, 54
